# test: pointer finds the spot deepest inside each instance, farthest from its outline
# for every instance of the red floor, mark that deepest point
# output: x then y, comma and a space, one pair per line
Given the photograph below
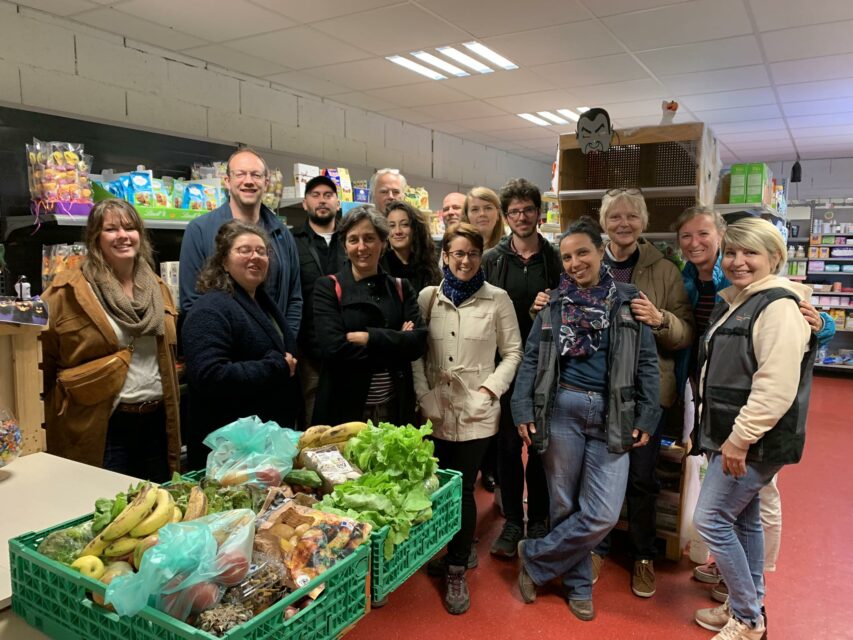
810, 597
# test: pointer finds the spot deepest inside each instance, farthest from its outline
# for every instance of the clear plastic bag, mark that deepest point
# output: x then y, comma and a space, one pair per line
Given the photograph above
190, 568
10, 438
249, 451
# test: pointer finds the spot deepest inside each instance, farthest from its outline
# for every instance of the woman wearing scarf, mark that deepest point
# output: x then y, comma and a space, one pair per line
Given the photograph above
585, 395
458, 385
115, 301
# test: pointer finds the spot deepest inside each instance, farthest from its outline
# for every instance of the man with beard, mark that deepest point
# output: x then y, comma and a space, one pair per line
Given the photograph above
321, 253
523, 264
247, 179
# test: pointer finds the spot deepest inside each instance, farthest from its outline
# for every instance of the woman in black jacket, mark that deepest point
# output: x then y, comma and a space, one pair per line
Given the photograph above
412, 251
369, 331
237, 343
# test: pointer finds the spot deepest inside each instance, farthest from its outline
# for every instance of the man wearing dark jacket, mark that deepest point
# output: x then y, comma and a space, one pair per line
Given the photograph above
523, 264
321, 253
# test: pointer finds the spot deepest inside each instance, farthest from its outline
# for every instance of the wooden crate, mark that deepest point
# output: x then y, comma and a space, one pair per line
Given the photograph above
676, 166
21, 382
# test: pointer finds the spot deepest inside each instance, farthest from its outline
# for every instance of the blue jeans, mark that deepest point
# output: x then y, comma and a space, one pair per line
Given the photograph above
728, 518
586, 485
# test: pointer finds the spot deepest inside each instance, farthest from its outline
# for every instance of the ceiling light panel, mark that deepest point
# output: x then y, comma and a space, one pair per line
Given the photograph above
550, 116
464, 59
534, 119
571, 115
437, 62
487, 54
417, 68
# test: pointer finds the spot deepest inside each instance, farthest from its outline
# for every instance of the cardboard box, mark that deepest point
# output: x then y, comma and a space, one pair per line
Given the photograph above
302, 173
758, 178
737, 188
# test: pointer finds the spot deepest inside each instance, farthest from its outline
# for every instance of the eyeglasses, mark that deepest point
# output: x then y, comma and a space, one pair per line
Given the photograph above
245, 251
526, 212
257, 176
631, 191
461, 255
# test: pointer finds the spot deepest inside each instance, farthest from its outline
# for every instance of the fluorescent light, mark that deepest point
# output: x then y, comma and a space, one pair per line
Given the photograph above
582, 109
571, 115
417, 68
435, 61
464, 59
550, 116
534, 119
493, 57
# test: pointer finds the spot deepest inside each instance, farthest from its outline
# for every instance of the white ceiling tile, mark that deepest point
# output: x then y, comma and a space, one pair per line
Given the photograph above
306, 11
232, 19
421, 94
823, 120
824, 153
816, 107
629, 91
813, 141
299, 47
752, 136
58, 7
718, 80
729, 99
613, 7
812, 69
644, 121
703, 56
571, 41
391, 30
407, 115
822, 90
111, 20
373, 73
236, 60
506, 16
808, 42
307, 83
364, 101
745, 114
765, 156
453, 128
480, 137
820, 132
460, 110
776, 145
680, 24
494, 123
578, 73
635, 109
736, 126
500, 83
523, 135
776, 14
539, 101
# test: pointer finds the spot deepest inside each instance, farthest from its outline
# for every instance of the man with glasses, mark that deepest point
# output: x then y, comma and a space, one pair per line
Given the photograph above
247, 179
321, 253
523, 264
386, 186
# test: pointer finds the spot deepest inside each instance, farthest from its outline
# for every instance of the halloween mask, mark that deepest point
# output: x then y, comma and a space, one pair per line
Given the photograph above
594, 131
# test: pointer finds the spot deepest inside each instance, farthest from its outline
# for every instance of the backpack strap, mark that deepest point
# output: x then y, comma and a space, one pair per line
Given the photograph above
399, 284
338, 292
431, 304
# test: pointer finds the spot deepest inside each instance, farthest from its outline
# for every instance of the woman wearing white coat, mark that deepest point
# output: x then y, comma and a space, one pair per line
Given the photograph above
457, 383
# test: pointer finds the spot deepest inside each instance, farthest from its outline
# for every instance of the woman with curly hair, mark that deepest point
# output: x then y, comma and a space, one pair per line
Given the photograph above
412, 252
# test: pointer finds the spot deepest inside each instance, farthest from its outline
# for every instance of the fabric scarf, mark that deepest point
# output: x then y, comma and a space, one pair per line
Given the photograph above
142, 316
460, 290
585, 313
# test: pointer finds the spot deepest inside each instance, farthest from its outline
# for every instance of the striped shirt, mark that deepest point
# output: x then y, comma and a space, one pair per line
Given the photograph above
381, 389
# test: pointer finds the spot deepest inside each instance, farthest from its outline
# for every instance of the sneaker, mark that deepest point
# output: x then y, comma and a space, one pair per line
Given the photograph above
720, 592
737, 630
643, 580
505, 544
707, 573
713, 619
537, 530
597, 563
487, 480
582, 609
437, 567
526, 586
456, 597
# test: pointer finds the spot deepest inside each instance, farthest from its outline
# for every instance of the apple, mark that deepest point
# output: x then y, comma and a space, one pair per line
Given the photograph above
91, 566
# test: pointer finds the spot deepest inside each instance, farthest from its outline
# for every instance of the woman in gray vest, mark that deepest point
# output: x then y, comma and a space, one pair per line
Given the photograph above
755, 363
586, 394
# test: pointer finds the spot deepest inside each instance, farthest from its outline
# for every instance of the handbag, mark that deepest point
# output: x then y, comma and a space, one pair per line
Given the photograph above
94, 382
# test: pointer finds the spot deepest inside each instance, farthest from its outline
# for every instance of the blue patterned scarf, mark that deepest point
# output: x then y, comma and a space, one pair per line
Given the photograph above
460, 290
585, 313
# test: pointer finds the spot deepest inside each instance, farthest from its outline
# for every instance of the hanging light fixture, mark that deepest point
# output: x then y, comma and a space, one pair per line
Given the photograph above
797, 171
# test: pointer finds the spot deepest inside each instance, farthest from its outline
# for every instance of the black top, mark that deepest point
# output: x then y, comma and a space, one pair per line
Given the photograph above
417, 275
623, 270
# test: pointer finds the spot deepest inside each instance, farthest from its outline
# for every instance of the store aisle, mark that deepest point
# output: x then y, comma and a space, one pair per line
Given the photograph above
808, 597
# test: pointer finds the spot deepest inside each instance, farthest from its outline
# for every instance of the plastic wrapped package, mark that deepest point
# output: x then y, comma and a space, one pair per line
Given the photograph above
10, 438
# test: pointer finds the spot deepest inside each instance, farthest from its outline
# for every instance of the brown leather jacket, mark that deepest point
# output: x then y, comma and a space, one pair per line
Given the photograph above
78, 332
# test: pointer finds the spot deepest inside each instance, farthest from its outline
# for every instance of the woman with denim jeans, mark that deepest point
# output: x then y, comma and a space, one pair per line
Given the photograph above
587, 393
755, 363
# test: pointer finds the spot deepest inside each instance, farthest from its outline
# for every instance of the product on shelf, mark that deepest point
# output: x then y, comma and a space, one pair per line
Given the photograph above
340, 177
302, 174
58, 175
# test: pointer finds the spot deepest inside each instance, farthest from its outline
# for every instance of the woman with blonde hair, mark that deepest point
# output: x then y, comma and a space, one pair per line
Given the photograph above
113, 321
483, 210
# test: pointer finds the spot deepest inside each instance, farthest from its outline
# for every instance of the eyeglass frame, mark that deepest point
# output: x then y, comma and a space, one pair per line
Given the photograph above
515, 214
251, 251
242, 175
476, 254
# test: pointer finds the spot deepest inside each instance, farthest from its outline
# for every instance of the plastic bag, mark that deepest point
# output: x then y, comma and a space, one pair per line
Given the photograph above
251, 451
190, 568
10, 438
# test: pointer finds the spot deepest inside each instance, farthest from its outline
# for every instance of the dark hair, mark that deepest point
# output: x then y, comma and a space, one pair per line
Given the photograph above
423, 248
214, 277
585, 225
361, 213
95, 224
462, 230
521, 189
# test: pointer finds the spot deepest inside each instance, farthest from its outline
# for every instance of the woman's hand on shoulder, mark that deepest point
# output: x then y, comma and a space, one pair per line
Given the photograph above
811, 315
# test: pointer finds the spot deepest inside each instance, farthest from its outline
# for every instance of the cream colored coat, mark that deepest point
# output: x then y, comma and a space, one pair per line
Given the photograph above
460, 359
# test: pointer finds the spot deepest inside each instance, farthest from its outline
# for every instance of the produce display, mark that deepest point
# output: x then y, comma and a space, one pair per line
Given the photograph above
10, 438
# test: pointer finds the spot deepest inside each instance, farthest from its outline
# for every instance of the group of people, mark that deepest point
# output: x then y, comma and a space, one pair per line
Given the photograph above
580, 352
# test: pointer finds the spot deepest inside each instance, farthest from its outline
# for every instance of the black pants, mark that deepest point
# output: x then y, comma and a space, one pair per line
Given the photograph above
137, 445
512, 474
465, 457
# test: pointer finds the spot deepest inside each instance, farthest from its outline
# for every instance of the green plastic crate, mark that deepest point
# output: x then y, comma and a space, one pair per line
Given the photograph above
54, 599
424, 541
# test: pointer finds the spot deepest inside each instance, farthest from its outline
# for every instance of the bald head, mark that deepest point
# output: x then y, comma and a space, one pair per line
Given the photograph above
452, 207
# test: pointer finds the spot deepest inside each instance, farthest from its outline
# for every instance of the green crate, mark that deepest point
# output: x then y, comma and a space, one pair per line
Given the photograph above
424, 541
54, 599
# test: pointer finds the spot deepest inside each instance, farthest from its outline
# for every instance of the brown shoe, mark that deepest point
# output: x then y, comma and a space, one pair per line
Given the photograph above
582, 609
643, 580
720, 592
525, 583
597, 563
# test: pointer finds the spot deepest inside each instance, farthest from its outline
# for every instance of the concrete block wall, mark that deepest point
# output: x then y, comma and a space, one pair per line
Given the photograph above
61, 67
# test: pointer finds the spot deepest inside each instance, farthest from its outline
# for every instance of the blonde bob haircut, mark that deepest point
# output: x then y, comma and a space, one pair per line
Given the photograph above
128, 217
757, 234
692, 212
635, 201
484, 193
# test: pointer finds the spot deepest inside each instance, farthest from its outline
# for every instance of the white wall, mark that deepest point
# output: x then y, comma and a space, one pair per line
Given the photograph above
822, 179
69, 69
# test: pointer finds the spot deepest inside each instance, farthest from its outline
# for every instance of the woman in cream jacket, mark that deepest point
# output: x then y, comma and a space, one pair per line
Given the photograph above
457, 383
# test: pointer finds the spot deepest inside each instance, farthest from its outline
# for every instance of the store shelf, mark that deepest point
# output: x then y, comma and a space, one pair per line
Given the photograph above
835, 367
750, 207
837, 330
832, 293
834, 306
796, 278
648, 192
830, 260
798, 240
830, 246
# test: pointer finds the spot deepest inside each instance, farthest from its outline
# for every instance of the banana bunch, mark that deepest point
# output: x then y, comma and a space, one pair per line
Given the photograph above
323, 435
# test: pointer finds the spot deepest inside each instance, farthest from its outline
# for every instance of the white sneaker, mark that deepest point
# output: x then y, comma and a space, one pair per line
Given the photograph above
713, 619
737, 630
